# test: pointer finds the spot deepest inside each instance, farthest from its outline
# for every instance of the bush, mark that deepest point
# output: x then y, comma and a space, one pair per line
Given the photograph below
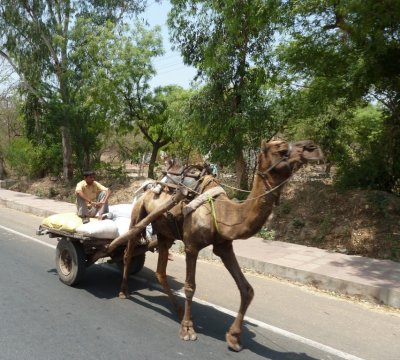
47, 160
26, 160
369, 172
18, 156
113, 175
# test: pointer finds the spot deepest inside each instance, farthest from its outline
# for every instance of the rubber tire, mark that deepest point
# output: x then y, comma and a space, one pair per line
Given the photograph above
137, 264
70, 261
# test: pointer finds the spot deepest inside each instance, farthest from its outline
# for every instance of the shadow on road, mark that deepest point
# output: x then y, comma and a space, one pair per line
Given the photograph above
210, 322
103, 281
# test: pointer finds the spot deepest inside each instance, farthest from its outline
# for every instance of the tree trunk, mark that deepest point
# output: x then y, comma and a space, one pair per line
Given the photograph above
2, 169
86, 159
393, 148
241, 171
152, 162
67, 153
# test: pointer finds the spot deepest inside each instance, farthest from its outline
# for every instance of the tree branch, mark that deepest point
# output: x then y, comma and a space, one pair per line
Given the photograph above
47, 42
340, 22
24, 82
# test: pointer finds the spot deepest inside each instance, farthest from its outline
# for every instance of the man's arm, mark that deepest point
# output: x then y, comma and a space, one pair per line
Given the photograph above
82, 195
108, 193
99, 204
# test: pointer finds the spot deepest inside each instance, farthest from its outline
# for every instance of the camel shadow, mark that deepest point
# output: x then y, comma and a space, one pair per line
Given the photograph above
104, 281
212, 323
209, 322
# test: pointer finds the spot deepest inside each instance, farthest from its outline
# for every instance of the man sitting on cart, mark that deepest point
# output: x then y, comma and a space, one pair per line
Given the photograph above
91, 198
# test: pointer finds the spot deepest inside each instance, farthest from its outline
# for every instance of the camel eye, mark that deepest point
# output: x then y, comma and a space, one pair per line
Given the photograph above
284, 152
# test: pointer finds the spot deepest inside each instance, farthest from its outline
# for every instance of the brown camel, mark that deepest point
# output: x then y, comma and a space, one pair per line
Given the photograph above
219, 222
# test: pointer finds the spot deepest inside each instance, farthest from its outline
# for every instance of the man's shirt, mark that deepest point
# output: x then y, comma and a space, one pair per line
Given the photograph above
90, 191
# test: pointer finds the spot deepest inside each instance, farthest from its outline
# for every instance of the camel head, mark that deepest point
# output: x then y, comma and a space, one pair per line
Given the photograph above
284, 159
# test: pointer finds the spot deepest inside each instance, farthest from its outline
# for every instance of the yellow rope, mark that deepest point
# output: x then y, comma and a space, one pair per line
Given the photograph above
213, 213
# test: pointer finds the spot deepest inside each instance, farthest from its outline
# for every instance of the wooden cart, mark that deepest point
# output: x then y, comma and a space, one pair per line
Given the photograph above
76, 252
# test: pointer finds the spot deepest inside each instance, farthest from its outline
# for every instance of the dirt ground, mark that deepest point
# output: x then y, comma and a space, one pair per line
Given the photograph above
311, 212
358, 222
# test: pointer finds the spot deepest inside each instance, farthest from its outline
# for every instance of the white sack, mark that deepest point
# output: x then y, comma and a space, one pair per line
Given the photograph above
104, 229
123, 227
122, 224
121, 210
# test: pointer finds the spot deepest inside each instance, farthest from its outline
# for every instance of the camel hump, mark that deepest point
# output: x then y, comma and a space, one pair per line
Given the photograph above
189, 176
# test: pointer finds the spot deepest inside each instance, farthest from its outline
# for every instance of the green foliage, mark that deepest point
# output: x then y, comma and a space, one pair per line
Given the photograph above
324, 228
26, 160
86, 74
394, 247
362, 142
266, 234
379, 203
18, 156
46, 160
285, 208
114, 67
351, 138
112, 175
230, 45
117, 87
298, 223
349, 50
368, 172
44, 43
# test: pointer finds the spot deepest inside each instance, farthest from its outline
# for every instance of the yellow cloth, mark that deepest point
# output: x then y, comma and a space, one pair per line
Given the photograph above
65, 222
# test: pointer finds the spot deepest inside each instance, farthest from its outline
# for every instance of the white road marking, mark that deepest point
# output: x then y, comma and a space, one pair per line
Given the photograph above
250, 320
27, 237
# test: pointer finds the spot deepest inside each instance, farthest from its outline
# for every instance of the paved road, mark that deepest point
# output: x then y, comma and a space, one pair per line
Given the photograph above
374, 280
47, 320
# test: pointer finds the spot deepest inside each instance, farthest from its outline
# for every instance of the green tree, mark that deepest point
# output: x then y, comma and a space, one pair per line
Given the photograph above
154, 120
230, 43
350, 50
35, 40
117, 88
10, 123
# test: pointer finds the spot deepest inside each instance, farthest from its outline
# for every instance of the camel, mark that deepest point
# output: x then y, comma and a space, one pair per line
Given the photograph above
218, 222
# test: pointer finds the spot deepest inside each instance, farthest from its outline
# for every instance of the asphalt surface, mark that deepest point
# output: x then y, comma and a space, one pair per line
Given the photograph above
372, 280
284, 321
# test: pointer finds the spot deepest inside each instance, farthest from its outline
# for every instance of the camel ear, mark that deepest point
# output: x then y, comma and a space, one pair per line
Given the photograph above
264, 145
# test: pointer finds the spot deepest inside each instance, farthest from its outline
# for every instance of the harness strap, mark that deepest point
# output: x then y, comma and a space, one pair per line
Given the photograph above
201, 199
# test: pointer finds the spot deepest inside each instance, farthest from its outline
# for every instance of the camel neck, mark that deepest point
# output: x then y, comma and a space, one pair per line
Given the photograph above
242, 220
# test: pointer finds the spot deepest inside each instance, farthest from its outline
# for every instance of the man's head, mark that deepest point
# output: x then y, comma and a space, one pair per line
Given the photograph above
89, 176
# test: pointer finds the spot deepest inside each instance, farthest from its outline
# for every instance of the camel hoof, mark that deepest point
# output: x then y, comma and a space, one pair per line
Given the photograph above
233, 342
187, 332
187, 337
193, 337
122, 295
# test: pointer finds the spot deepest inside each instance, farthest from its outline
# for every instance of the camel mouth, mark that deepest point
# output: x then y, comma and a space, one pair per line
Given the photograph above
314, 158
314, 161
312, 152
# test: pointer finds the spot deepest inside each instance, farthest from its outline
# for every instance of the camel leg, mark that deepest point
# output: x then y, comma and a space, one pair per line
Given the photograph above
187, 331
225, 252
123, 293
163, 247
131, 237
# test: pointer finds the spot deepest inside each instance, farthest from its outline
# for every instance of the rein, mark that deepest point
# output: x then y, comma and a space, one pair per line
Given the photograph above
262, 174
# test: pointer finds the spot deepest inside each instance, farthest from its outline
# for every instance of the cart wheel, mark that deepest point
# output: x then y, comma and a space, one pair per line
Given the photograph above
70, 261
136, 265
